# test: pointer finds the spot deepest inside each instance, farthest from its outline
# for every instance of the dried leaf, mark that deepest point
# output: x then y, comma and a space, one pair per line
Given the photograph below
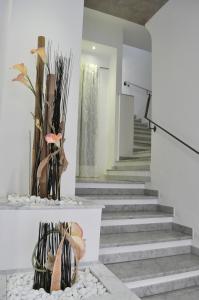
42, 165
38, 125
56, 275
50, 262
41, 52
76, 230
79, 246
63, 162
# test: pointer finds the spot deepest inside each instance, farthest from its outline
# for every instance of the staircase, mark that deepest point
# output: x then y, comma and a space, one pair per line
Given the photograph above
140, 243
142, 136
137, 166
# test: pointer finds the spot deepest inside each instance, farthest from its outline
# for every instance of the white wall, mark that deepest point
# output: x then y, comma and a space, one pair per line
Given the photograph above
136, 68
61, 21
4, 17
175, 75
112, 31
126, 125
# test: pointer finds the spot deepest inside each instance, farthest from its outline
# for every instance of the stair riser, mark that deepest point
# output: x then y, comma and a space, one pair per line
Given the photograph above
138, 143
166, 287
132, 168
135, 228
142, 130
148, 254
136, 207
129, 178
141, 127
128, 173
142, 138
145, 132
141, 149
141, 154
132, 163
107, 191
135, 159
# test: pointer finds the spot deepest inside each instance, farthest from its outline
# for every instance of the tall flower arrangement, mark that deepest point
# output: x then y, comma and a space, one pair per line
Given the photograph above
51, 91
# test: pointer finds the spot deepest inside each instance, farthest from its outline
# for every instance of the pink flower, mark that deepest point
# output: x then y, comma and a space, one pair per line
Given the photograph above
21, 78
52, 138
21, 68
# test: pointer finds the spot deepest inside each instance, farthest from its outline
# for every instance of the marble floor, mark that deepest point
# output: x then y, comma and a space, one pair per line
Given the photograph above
183, 294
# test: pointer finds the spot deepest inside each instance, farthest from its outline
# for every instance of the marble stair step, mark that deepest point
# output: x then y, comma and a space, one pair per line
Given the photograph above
96, 191
142, 143
135, 158
139, 154
127, 215
136, 207
145, 131
142, 137
158, 275
141, 127
137, 238
120, 229
129, 178
147, 245
124, 199
139, 148
141, 167
136, 173
142, 131
140, 123
132, 163
191, 293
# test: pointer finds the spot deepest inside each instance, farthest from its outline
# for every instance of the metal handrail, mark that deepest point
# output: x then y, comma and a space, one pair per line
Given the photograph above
128, 83
168, 132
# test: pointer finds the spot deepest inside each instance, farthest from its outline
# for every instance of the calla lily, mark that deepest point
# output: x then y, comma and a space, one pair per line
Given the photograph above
41, 52
21, 78
21, 68
52, 138
80, 246
76, 230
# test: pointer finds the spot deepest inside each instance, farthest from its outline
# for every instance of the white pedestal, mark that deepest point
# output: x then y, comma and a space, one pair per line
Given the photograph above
19, 231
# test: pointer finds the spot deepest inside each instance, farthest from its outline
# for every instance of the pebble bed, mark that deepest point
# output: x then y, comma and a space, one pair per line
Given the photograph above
19, 287
35, 201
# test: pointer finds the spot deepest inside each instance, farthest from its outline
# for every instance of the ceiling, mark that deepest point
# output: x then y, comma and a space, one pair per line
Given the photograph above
137, 11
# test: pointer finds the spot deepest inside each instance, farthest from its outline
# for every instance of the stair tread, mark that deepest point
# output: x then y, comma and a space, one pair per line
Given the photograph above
131, 168
129, 178
120, 197
134, 215
105, 180
137, 238
123, 171
182, 294
154, 267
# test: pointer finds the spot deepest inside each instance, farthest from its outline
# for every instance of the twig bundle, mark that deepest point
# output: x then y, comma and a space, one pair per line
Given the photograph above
51, 100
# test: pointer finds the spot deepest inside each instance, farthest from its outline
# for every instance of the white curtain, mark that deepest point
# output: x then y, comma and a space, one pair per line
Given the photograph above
87, 125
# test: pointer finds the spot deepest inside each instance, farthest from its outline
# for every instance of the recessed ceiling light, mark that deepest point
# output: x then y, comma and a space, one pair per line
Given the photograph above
94, 48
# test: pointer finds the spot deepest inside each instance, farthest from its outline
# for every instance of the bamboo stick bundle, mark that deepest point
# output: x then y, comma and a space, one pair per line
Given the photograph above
38, 116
